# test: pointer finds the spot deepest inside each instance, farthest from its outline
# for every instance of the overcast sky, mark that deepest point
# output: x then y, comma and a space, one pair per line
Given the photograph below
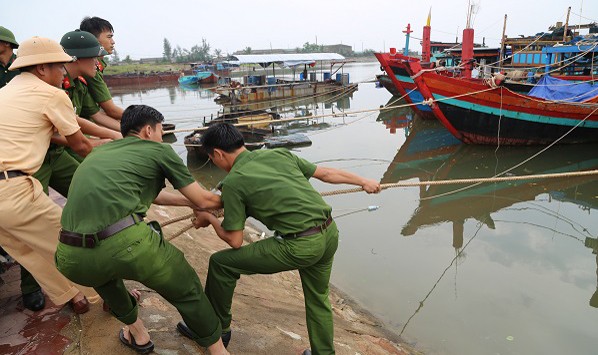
141, 26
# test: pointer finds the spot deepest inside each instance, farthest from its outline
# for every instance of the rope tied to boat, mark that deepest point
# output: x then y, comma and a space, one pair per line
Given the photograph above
220, 212
428, 102
495, 80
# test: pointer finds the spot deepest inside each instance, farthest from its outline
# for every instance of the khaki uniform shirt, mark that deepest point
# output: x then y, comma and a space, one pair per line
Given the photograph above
5, 74
30, 109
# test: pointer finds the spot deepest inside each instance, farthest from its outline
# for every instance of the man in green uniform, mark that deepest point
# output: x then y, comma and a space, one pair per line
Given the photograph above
98, 89
60, 163
273, 187
108, 241
85, 47
7, 45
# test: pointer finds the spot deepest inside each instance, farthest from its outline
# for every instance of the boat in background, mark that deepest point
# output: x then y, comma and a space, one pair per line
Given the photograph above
434, 54
266, 88
202, 74
482, 112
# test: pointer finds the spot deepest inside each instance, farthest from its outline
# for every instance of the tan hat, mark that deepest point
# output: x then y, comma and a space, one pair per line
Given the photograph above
39, 50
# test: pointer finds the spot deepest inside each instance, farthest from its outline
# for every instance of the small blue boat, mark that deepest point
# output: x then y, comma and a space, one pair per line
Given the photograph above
203, 75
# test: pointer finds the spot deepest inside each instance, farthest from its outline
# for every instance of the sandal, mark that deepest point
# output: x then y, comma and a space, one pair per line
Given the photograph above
142, 349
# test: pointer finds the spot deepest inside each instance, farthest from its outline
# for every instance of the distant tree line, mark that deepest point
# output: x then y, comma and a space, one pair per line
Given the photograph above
197, 53
202, 52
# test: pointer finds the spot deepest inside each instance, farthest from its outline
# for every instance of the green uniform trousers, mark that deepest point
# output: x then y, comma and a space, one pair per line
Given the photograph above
74, 155
311, 255
56, 171
140, 253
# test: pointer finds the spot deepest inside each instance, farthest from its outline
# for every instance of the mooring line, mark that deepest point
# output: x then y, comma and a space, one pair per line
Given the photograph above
466, 181
220, 212
384, 108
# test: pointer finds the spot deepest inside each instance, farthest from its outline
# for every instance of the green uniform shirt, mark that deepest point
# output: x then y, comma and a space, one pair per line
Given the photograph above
273, 187
78, 93
97, 87
118, 179
5, 74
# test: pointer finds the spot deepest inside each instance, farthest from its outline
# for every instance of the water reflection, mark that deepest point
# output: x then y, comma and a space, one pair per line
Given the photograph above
592, 243
449, 203
295, 107
396, 118
431, 153
204, 171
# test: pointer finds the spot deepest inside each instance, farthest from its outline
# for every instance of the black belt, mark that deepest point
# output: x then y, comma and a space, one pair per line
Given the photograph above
11, 174
313, 230
88, 240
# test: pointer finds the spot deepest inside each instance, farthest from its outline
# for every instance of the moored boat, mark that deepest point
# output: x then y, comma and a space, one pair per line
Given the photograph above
482, 112
264, 87
476, 112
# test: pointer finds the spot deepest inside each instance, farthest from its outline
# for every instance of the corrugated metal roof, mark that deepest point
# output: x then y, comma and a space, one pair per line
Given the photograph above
279, 58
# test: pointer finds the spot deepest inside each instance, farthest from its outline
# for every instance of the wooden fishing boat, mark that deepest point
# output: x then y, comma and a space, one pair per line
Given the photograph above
433, 54
485, 112
394, 65
198, 78
254, 139
264, 87
478, 113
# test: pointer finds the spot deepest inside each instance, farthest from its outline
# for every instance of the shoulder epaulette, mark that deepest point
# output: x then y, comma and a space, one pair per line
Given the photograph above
66, 83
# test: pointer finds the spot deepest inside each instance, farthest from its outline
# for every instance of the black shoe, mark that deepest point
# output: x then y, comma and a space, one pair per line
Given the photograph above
34, 301
306, 352
184, 329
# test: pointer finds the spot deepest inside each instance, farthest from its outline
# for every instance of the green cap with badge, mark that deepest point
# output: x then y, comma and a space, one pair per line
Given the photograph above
82, 44
7, 36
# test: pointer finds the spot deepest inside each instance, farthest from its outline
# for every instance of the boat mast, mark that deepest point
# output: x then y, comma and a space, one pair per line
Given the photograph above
566, 25
467, 47
502, 45
407, 35
426, 55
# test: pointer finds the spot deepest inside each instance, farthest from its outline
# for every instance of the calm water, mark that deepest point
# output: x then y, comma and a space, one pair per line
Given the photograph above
505, 268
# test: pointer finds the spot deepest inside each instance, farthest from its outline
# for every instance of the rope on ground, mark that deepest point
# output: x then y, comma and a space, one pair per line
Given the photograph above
220, 212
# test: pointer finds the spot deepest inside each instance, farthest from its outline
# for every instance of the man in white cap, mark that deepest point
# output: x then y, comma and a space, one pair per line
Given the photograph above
32, 108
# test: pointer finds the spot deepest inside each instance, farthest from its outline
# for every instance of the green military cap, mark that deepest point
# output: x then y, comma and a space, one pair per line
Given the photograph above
7, 36
82, 44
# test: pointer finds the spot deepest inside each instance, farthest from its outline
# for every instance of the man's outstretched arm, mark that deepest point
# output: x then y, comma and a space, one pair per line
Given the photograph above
338, 176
